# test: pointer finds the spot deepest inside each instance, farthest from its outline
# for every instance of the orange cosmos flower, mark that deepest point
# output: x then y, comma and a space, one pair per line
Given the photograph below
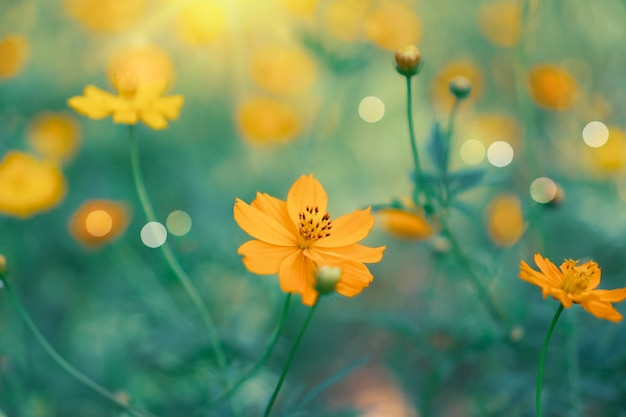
136, 102
573, 283
99, 221
295, 237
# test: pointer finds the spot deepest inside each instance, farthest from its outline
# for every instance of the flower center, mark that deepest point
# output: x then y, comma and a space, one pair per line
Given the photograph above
576, 278
313, 226
126, 84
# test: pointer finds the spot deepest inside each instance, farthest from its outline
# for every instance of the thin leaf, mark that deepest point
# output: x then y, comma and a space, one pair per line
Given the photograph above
464, 180
436, 147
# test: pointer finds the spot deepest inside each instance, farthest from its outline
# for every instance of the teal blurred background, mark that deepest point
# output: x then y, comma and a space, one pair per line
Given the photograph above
281, 88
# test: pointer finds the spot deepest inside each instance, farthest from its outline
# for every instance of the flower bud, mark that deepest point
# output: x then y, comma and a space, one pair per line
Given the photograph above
326, 278
3, 265
408, 61
460, 87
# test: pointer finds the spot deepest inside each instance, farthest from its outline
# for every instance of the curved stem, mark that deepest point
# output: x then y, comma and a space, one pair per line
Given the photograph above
255, 368
62, 362
419, 180
292, 353
483, 293
169, 254
542, 357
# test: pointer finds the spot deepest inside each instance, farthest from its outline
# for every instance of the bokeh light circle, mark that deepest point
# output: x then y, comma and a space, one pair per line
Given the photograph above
98, 223
153, 234
595, 134
472, 152
500, 154
543, 190
371, 109
178, 223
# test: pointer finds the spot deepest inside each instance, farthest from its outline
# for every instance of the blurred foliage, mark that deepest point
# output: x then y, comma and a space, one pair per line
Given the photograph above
274, 90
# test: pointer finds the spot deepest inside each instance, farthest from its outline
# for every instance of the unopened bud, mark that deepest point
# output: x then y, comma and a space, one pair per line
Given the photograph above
3, 265
326, 278
408, 61
460, 87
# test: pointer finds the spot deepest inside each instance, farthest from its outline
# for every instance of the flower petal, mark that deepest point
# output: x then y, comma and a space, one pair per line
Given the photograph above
348, 229
169, 106
550, 270
95, 104
297, 274
262, 257
354, 252
261, 226
602, 310
528, 274
125, 115
305, 192
276, 209
354, 277
155, 119
612, 296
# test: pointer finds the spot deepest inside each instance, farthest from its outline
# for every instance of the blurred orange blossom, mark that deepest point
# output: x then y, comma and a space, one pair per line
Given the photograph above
297, 236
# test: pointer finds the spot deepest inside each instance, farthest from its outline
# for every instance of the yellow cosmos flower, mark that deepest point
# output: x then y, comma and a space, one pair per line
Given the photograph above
28, 185
135, 102
148, 64
441, 84
201, 22
552, 87
393, 25
505, 223
105, 15
297, 236
405, 224
267, 121
54, 136
13, 55
282, 69
98, 221
573, 283
499, 22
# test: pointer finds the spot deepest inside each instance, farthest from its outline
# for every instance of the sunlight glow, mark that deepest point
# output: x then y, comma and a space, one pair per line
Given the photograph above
472, 152
153, 234
178, 223
500, 154
595, 134
371, 109
543, 190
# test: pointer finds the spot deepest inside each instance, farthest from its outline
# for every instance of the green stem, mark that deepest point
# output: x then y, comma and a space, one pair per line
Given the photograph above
449, 131
257, 366
542, 357
62, 362
483, 293
419, 180
289, 359
169, 254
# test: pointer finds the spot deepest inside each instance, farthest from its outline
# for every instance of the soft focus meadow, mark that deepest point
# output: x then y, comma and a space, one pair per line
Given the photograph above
146, 271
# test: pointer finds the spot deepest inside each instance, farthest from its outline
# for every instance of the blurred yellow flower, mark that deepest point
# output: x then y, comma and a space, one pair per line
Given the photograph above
267, 121
282, 69
201, 22
343, 19
297, 236
98, 221
573, 283
552, 87
610, 158
441, 94
493, 127
392, 25
407, 224
505, 220
135, 102
28, 185
499, 22
301, 8
54, 136
147, 64
105, 15
13, 55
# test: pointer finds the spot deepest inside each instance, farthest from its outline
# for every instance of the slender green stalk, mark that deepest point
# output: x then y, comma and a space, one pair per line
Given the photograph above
289, 359
542, 357
419, 179
449, 131
169, 254
62, 362
483, 293
572, 367
255, 368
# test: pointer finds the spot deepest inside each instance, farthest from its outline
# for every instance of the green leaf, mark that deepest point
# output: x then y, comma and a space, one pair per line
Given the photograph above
464, 180
436, 147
